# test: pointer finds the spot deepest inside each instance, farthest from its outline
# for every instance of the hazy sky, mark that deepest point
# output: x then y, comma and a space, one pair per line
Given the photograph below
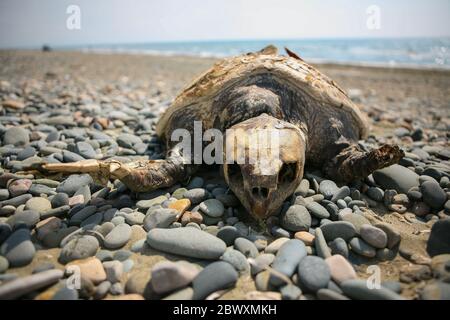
26, 23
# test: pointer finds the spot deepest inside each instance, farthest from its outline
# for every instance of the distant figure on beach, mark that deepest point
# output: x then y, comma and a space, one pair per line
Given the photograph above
46, 48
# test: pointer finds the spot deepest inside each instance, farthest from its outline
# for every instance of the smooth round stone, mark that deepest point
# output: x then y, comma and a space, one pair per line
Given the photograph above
29, 217
328, 294
85, 192
69, 156
317, 210
118, 236
296, 218
261, 262
302, 189
262, 281
118, 220
5, 231
320, 244
168, 276
20, 186
358, 289
385, 254
414, 195
39, 189
356, 220
183, 294
73, 183
102, 290
18, 248
228, 234
229, 200
17, 201
212, 207
439, 240
4, 194
127, 140
275, 245
160, 218
277, 232
104, 255
79, 248
396, 177
17, 287
290, 292
436, 291
373, 236
179, 193
116, 289
246, 247
338, 229
287, 260
113, 270
92, 220
340, 269
313, 273
82, 215
341, 204
146, 204
236, 259
214, 277
85, 150
122, 255
393, 236
127, 265
196, 195
341, 193
376, 194
135, 218
38, 204
189, 242
333, 209
16, 136
360, 247
328, 188
106, 228
26, 153
7, 210
393, 286
66, 294
4, 264
91, 269
433, 195
196, 182
306, 237
339, 246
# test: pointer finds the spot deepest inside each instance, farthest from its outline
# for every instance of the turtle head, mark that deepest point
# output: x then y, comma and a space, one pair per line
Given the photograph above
264, 160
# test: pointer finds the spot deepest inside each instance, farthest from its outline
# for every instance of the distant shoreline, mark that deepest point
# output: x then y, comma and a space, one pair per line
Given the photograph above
318, 62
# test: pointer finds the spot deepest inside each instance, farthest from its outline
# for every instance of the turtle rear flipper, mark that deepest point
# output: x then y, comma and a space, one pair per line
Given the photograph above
138, 176
352, 163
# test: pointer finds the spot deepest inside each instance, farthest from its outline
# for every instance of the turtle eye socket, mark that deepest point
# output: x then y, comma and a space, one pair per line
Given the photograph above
287, 173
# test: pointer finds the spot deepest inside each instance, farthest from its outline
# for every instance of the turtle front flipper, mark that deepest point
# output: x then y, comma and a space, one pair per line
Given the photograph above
352, 163
138, 176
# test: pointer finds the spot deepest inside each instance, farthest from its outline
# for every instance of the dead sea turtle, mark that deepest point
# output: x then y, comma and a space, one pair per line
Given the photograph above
317, 122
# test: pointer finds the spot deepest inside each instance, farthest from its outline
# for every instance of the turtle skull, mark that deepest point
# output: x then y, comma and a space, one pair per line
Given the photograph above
264, 163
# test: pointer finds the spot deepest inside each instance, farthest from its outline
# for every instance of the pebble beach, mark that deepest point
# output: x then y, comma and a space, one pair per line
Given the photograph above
194, 240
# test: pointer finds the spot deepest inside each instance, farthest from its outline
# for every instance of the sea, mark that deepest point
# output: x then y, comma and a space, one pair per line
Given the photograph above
403, 52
